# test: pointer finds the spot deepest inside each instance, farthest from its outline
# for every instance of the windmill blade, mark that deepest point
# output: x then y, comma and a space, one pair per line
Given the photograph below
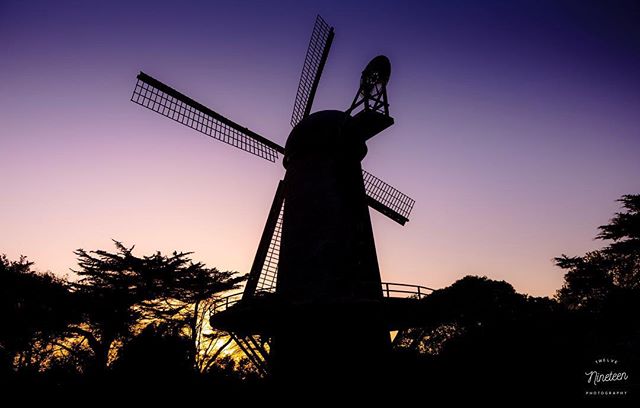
264, 271
317, 52
154, 95
386, 199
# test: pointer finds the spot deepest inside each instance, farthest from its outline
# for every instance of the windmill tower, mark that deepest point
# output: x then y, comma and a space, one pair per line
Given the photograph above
314, 290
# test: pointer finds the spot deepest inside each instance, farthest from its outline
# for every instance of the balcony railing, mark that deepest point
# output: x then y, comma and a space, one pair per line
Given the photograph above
389, 290
403, 290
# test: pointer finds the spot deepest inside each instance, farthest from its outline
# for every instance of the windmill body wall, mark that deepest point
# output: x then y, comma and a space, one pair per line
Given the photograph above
328, 270
327, 251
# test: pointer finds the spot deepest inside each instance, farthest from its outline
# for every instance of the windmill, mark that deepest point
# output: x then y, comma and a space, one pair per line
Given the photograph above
314, 284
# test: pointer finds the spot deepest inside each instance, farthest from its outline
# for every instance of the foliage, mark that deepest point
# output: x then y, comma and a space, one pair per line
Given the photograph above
592, 278
476, 330
122, 293
34, 307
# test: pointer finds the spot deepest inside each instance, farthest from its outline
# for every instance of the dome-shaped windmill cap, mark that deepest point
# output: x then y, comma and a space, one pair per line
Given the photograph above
377, 72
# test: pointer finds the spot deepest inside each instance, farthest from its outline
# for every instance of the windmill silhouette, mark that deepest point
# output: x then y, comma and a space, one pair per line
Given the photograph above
314, 288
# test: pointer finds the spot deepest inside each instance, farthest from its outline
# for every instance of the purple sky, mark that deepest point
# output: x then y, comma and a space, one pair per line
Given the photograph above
517, 127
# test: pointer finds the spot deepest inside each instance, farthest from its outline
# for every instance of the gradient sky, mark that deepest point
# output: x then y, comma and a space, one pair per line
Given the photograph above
517, 127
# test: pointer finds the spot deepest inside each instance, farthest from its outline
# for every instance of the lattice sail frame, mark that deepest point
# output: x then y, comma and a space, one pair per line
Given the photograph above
160, 98
316, 57
387, 199
264, 270
269, 272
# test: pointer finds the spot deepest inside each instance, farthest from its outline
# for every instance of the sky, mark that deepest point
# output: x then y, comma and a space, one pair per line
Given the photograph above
516, 127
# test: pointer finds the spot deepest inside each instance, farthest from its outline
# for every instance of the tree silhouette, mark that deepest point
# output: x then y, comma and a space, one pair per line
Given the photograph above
34, 306
190, 295
156, 357
481, 337
121, 294
602, 288
476, 330
591, 278
588, 281
624, 230
471, 303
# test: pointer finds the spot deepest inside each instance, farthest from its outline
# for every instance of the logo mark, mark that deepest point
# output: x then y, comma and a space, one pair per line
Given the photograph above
606, 378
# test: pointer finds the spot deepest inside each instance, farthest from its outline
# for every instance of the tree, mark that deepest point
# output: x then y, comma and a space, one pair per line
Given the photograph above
121, 294
155, 357
590, 279
602, 288
481, 336
34, 306
190, 297
624, 230
471, 303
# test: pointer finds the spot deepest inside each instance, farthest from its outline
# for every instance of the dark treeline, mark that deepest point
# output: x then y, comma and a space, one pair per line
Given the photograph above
482, 338
145, 319
123, 317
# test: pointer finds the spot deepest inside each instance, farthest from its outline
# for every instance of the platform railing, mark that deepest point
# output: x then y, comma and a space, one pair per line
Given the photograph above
389, 290
403, 290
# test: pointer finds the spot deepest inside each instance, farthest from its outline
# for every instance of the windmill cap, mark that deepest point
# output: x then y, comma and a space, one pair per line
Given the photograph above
377, 71
323, 133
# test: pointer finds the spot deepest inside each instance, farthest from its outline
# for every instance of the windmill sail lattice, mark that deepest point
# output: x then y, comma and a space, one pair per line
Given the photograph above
269, 271
387, 199
160, 98
264, 270
314, 61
